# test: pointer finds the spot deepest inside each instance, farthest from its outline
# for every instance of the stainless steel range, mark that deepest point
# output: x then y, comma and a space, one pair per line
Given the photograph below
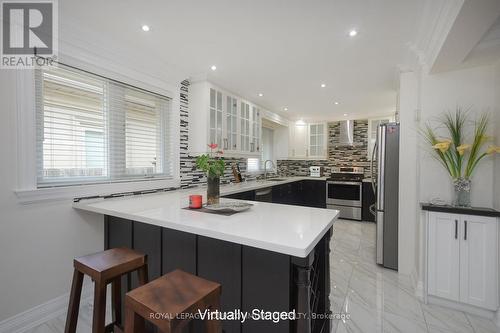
344, 191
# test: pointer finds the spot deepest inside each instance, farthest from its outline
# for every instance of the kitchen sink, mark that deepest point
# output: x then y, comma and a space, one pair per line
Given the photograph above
276, 179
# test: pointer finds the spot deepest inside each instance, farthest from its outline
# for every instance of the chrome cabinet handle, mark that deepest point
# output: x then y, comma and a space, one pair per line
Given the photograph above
465, 230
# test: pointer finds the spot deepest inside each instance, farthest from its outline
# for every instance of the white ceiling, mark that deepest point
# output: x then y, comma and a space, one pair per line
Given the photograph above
282, 48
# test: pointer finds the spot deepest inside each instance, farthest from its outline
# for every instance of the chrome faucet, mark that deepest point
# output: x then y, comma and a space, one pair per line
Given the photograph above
265, 167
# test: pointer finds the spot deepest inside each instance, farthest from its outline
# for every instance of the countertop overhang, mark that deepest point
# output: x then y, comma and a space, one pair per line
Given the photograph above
286, 229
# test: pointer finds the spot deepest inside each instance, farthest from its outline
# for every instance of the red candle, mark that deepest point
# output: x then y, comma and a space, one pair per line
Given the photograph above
195, 201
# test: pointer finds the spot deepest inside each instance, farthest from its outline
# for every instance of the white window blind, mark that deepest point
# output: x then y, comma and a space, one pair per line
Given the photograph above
253, 164
94, 130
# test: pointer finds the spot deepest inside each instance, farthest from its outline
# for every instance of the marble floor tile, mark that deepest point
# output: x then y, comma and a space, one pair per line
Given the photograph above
482, 325
443, 318
393, 323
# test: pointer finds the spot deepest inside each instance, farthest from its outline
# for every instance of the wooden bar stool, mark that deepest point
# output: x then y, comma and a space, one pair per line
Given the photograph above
162, 300
104, 268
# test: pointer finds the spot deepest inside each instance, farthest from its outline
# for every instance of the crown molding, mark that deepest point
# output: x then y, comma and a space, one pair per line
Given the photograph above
436, 22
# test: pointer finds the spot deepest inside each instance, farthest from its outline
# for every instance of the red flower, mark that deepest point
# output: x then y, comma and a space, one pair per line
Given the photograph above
213, 145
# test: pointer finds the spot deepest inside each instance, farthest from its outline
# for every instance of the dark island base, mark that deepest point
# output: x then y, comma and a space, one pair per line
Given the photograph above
251, 278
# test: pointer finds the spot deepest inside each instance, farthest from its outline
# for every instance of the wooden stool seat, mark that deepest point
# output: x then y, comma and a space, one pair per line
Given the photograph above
104, 267
162, 300
110, 263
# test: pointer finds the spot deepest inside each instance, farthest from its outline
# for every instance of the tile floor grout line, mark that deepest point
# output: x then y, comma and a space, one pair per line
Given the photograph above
470, 323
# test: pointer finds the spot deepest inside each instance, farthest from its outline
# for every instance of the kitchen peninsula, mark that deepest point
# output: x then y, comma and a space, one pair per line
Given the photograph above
272, 257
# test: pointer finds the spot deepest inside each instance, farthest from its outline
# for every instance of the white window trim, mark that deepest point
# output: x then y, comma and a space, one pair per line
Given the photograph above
27, 191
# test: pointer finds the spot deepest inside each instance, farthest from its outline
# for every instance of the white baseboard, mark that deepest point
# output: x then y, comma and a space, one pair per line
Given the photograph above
463, 307
418, 285
42, 313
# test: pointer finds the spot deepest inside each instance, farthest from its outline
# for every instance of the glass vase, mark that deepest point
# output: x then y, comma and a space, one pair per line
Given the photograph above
462, 192
213, 190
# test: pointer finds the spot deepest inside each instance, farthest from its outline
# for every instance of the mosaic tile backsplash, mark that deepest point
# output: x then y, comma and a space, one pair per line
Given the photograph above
338, 156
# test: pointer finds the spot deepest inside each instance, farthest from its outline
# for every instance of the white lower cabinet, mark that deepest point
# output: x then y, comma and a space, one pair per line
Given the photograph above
462, 259
443, 256
478, 261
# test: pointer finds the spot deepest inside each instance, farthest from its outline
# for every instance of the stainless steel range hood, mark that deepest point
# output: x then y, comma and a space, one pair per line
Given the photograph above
346, 137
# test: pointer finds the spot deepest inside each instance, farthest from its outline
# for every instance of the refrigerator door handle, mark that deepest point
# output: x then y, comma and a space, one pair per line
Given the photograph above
381, 166
372, 171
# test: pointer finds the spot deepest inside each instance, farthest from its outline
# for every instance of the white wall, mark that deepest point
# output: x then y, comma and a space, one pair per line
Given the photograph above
473, 88
39, 241
408, 174
497, 134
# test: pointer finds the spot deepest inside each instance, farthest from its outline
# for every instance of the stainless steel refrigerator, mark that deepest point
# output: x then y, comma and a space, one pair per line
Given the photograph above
386, 185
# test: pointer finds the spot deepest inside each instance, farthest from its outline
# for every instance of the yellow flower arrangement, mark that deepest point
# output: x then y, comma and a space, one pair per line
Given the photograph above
458, 158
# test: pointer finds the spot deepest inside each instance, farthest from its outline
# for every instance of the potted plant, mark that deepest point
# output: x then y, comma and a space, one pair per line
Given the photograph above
458, 154
213, 165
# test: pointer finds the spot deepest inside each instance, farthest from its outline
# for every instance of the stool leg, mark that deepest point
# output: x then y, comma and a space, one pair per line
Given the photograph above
99, 307
116, 295
74, 302
213, 326
143, 275
133, 322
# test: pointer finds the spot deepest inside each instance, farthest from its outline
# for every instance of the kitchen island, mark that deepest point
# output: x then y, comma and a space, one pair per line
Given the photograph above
271, 258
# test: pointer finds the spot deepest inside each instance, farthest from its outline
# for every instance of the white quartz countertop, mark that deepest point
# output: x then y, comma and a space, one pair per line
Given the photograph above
291, 230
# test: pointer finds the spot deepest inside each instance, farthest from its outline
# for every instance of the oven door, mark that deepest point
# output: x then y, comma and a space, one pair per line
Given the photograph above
344, 193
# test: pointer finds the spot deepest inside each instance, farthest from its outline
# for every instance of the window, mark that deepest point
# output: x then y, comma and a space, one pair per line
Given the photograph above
253, 164
93, 130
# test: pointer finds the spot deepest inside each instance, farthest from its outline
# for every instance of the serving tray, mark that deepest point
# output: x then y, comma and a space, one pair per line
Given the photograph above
229, 207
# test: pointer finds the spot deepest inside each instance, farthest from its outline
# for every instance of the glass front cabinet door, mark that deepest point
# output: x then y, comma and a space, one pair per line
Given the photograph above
216, 117
245, 127
256, 129
231, 132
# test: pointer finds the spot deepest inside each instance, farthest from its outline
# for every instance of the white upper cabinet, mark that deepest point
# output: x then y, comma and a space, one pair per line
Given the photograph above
216, 116
245, 127
256, 129
462, 259
297, 147
231, 113
318, 139
308, 141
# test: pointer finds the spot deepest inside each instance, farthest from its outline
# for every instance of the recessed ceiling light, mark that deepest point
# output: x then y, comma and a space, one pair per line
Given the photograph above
336, 103
261, 94
353, 33
323, 85
213, 67
145, 28
285, 109
345, 114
